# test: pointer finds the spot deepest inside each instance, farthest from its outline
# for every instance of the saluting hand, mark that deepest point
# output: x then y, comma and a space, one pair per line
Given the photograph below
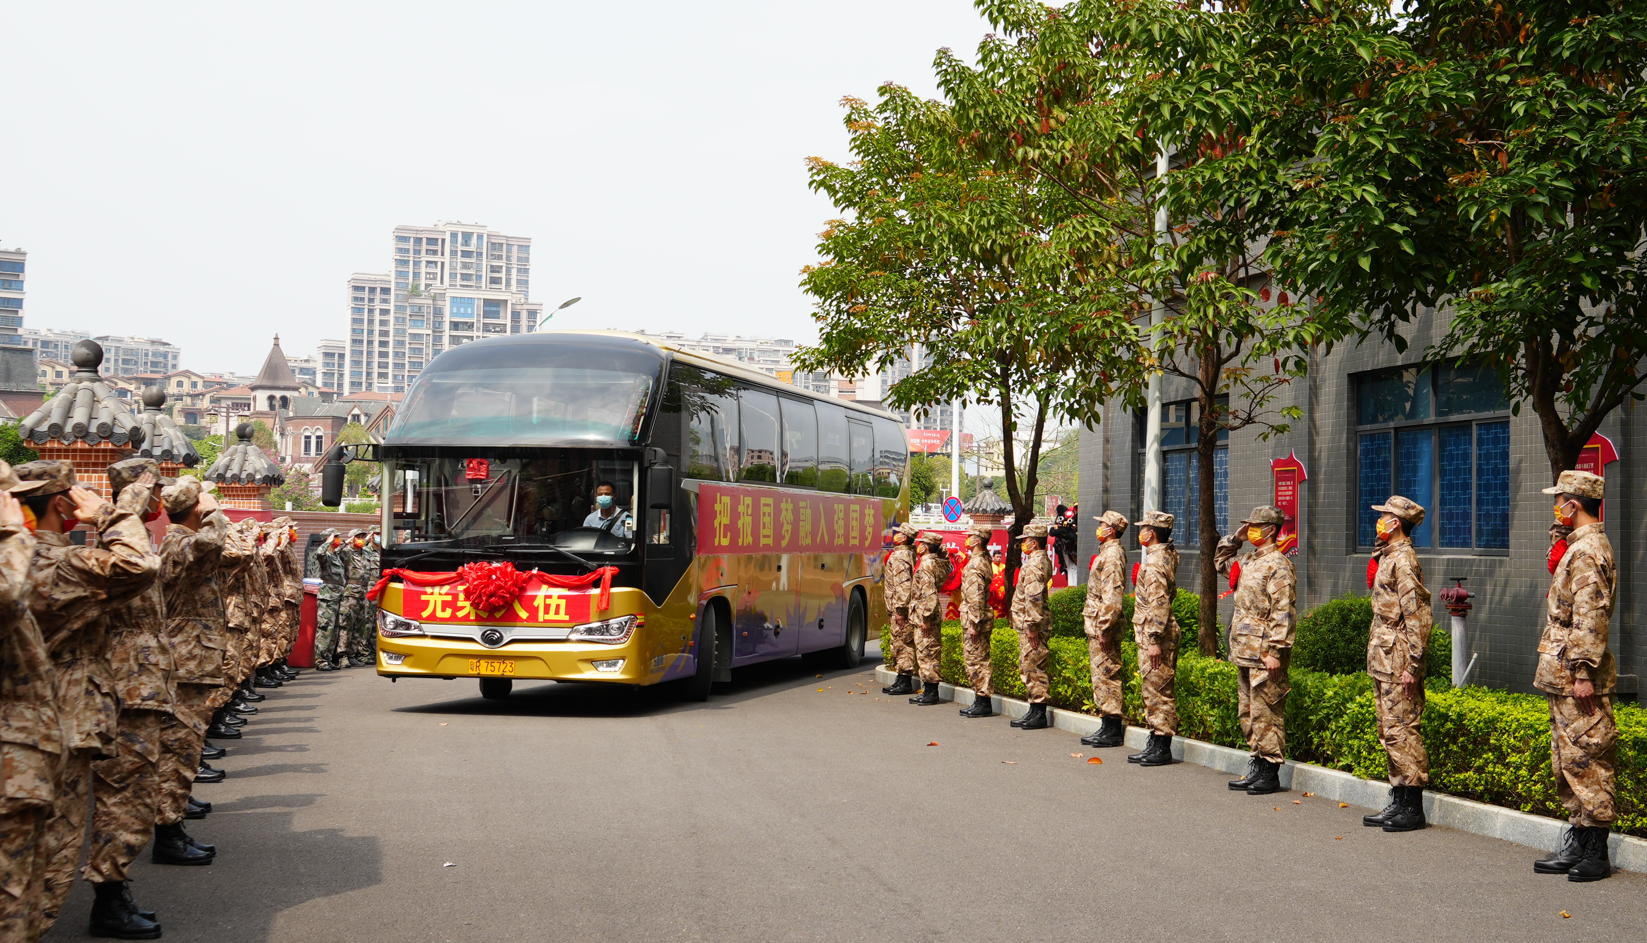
11, 511
87, 503
208, 502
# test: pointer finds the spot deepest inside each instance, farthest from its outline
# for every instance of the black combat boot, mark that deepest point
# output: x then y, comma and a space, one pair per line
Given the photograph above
1595, 864
1377, 819
195, 843
172, 846
904, 685
192, 811
250, 696
1149, 746
927, 696
1266, 780
205, 773
981, 707
197, 804
1160, 754
1410, 816
263, 680
1110, 733
1572, 851
285, 672
114, 915
241, 707
221, 730
1036, 719
1240, 785
210, 752
232, 719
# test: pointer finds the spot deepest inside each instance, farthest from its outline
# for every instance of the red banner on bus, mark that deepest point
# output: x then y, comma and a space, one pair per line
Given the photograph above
733, 519
537, 604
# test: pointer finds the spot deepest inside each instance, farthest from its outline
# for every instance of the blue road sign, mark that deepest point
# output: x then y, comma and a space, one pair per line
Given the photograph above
953, 509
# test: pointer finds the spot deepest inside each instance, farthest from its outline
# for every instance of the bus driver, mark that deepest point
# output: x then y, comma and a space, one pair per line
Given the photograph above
607, 515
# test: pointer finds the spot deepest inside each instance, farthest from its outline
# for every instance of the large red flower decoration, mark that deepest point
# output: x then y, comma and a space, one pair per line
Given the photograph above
492, 584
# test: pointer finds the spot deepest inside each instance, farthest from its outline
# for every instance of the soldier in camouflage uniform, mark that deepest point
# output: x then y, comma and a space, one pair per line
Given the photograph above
75, 591
291, 570
1578, 674
330, 570
31, 737
926, 614
362, 628
1261, 640
1156, 633
1032, 621
896, 578
1101, 617
977, 620
1402, 620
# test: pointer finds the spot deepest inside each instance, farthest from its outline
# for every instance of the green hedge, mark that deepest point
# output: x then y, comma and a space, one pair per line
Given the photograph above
1492, 746
1333, 638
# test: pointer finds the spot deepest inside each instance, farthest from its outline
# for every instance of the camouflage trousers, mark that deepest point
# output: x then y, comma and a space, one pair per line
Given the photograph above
903, 642
1399, 731
1262, 700
181, 738
125, 797
362, 645
328, 624
975, 653
22, 828
64, 835
1582, 757
1033, 657
929, 646
1159, 687
1104, 653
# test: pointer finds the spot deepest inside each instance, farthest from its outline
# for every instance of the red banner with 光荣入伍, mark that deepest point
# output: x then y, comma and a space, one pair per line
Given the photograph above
735, 519
537, 604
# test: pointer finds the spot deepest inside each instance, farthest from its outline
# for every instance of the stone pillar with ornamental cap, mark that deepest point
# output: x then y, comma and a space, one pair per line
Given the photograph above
986, 507
85, 423
162, 440
244, 474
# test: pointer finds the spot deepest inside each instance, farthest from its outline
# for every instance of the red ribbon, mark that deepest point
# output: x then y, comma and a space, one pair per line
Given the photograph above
1557, 551
423, 578
1135, 567
1372, 571
1235, 578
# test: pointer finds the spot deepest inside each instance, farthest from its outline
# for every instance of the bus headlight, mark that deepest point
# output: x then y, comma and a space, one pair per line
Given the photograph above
390, 625
611, 632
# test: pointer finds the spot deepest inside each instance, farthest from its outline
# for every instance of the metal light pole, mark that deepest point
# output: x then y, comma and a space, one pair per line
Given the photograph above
563, 306
1158, 314
955, 448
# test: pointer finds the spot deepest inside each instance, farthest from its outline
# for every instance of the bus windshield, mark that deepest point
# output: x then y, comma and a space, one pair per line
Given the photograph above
517, 498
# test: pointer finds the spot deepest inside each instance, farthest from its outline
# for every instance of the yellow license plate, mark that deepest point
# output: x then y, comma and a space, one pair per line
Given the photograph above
492, 666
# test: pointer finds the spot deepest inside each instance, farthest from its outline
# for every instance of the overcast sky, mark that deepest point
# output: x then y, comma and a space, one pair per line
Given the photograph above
212, 173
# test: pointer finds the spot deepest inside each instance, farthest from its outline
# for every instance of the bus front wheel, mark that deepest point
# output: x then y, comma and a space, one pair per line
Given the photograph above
851, 652
697, 687
496, 689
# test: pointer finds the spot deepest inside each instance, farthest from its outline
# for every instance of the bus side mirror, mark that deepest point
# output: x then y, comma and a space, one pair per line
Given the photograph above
660, 487
331, 483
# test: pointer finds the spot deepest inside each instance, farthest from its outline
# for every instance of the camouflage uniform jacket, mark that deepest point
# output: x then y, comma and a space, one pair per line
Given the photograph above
355, 564
140, 658
189, 565
975, 579
243, 585
76, 591
28, 682
930, 574
1106, 586
330, 569
1402, 616
1152, 622
1029, 599
1574, 644
1265, 602
900, 573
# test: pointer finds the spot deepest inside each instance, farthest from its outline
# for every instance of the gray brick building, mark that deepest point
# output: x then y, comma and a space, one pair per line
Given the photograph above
1445, 439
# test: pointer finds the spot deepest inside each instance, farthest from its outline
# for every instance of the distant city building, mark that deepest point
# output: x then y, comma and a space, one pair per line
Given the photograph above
332, 356
769, 355
452, 283
50, 343
129, 356
12, 264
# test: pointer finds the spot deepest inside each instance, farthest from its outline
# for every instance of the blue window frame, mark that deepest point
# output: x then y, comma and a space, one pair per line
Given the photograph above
1181, 473
11, 302
12, 284
492, 310
461, 307
7, 265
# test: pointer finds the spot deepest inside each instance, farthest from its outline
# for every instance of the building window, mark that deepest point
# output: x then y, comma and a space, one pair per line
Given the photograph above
1440, 436
308, 443
492, 310
1181, 474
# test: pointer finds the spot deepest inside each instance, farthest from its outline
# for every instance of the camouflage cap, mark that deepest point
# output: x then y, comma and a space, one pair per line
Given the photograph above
1265, 515
1156, 519
10, 482
180, 497
1581, 484
123, 474
54, 477
932, 539
1405, 508
909, 530
1115, 519
1034, 531
981, 531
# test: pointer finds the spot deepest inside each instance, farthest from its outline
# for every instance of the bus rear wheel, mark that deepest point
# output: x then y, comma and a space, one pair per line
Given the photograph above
496, 689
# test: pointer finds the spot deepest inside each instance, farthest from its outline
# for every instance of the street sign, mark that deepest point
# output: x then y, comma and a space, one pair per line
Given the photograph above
953, 509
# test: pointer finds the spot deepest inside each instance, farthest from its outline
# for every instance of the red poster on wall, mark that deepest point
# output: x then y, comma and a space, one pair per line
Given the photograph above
734, 519
1289, 474
1594, 458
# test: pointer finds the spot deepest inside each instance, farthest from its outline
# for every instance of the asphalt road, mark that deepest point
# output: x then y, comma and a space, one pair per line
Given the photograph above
789, 808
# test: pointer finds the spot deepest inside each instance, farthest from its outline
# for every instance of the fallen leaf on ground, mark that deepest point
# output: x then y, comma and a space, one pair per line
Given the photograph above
1010, 762
449, 865
933, 743
1095, 760
1077, 755
1565, 915
1343, 805
1338, 838
819, 676
1278, 808
1296, 802
1309, 795
443, 725
820, 690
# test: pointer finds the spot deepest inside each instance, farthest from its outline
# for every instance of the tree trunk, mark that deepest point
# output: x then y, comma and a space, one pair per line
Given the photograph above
1544, 374
1009, 472
1206, 496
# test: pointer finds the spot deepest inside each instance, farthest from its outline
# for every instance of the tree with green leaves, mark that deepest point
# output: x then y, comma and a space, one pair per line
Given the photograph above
298, 489
941, 252
209, 448
1489, 159
358, 473
923, 484
262, 436
13, 447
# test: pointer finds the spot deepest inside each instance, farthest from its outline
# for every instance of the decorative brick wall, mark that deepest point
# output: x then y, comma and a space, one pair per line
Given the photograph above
244, 497
91, 462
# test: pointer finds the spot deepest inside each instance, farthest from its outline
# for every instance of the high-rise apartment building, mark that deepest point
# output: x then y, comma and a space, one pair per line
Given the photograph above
51, 344
333, 358
770, 355
452, 283
129, 356
12, 263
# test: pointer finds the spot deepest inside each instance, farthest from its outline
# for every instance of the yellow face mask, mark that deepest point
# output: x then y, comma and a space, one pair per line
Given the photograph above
1027, 546
29, 519
1384, 528
1255, 534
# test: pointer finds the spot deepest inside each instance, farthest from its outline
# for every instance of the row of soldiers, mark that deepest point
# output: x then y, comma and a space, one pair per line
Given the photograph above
345, 622
119, 660
1576, 670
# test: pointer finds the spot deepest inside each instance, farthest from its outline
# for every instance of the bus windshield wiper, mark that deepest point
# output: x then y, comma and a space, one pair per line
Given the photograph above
429, 553
563, 552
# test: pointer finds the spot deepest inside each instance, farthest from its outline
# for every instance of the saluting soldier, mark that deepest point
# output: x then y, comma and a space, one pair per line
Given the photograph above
329, 568
896, 580
32, 750
1577, 673
1032, 621
1101, 618
977, 620
359, 646
1402, 620
1156, 633
1261, 640
926, 614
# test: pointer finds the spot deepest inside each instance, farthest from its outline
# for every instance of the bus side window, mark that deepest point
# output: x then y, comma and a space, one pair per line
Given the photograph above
832, 453
800, 443
759, 410
862, 446
891, 458
712, 402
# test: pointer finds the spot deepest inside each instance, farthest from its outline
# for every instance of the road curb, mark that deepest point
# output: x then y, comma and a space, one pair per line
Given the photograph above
1535, 831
